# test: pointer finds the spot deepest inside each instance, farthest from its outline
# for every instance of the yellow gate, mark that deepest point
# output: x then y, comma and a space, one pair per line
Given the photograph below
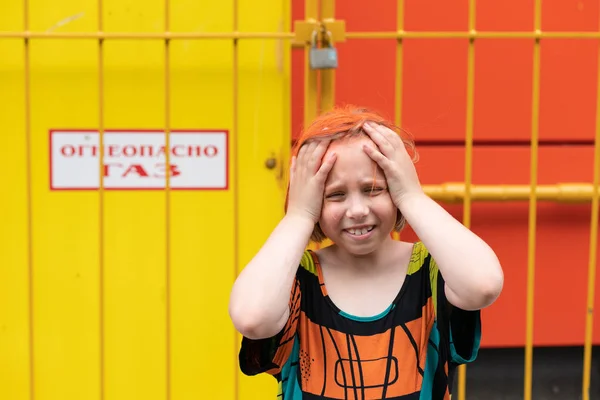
122, 294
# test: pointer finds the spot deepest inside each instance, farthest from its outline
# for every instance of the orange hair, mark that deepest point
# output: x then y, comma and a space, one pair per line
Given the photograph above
346, 122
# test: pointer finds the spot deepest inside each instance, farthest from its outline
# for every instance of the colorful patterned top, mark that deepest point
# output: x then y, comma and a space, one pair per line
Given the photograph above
408, 352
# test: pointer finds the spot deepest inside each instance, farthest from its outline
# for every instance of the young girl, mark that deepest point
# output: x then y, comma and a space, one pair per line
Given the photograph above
368, 317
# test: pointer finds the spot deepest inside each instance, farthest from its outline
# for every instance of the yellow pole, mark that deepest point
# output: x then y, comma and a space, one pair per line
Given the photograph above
101, 198
327, 75
146, 36
168, 203
311, 11
399, 65
327, 78
538, 34
398, 88
28, 173
462, 370
532, 204
310, 75
235, 183
560, 193
589, 316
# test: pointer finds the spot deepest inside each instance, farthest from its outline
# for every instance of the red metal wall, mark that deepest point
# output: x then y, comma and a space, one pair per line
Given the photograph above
434, 99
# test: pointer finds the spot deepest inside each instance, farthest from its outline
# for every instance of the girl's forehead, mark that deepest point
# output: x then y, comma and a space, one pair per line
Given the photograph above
349, 144
352, 161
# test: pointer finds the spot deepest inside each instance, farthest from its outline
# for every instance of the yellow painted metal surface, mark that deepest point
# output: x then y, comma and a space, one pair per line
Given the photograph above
532, 223
127, 293
263, 132
562, 192
14, 293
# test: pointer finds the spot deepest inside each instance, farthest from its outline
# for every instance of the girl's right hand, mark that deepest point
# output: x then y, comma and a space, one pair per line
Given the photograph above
308, 174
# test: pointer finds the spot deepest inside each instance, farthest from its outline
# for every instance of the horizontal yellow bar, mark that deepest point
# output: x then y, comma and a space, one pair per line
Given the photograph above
564, 192
291, 35
160, 35
473, 35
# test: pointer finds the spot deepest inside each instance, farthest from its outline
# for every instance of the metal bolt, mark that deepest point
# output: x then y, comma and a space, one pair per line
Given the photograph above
270, 163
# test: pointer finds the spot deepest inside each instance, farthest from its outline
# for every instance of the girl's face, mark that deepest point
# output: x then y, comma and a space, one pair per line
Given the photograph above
358, 213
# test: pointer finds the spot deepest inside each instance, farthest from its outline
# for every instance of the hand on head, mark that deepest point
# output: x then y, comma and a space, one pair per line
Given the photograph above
308, 174
392, 157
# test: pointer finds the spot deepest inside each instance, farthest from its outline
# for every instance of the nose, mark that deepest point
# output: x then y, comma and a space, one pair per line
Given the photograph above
357, 208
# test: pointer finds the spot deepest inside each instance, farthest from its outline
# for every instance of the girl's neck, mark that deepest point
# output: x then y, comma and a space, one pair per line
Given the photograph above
383, 257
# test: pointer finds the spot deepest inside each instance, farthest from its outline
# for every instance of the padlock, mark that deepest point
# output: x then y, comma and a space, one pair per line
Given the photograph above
323, 58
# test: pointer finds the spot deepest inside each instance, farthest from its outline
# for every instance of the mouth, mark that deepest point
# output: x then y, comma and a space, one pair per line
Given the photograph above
360, 232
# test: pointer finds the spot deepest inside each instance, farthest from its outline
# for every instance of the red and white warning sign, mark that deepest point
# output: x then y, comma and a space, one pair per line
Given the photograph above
137, 160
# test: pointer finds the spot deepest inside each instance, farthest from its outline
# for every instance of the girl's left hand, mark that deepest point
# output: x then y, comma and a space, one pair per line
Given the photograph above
394, 160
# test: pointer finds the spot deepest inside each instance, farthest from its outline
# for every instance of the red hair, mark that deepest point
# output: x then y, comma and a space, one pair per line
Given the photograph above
345, 122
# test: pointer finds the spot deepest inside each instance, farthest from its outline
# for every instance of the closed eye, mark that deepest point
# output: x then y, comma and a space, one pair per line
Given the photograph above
374, 190
334, 195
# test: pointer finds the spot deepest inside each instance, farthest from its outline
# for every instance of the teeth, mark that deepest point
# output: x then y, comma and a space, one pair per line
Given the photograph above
358, 232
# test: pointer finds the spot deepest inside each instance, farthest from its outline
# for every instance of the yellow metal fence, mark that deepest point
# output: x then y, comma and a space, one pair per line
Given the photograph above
315, 101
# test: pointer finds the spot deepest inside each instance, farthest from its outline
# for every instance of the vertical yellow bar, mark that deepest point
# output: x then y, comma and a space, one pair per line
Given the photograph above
326, 94
64, 222
134, 220
28, 167
236, 196
327, 75
462, 370
310, 75
310, 81
398, 87
399, 65
167, 207
263, 78
589, 317
15, 344
532, 203
101, 196
286, 48
201, 265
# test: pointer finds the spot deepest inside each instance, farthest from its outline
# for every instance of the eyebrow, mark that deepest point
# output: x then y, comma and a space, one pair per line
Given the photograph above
366, 181
333, 185
373, 180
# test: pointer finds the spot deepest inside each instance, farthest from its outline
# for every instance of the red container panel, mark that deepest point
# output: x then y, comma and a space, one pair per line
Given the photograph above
434, 109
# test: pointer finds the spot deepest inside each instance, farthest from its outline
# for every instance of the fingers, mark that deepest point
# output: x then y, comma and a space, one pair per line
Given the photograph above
311, 154
300, 162
388, 141
317, 155
388, 133
326, 167
380, 159
305, 151
377, 136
